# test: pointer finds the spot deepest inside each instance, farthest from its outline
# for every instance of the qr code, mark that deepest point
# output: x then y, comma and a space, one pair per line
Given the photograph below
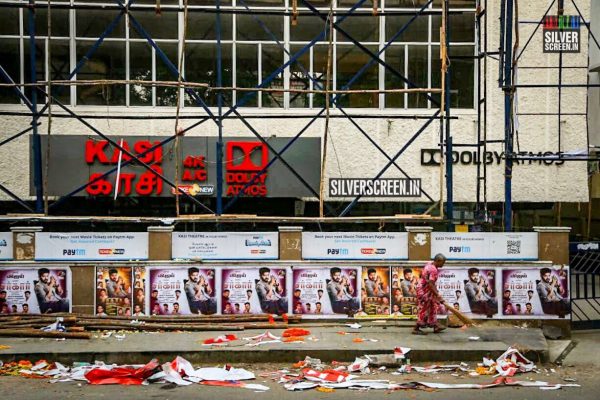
513, 247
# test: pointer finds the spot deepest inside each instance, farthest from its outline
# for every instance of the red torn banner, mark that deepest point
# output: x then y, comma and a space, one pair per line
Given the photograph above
121, 375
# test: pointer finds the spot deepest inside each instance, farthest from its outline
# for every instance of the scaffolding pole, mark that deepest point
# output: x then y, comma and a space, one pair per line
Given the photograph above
508, 136
447, 132
36, 142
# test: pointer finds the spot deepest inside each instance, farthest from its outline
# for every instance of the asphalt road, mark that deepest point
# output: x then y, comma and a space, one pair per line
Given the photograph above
582, 364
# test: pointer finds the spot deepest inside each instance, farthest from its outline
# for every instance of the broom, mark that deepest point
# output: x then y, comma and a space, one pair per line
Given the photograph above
466, 320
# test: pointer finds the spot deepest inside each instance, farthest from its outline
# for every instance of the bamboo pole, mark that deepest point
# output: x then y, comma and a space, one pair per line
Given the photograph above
44, 320
106, 82
41, 334
188, 318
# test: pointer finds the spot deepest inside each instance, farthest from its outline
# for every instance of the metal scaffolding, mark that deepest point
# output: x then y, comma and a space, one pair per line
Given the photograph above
509, 55
49, 90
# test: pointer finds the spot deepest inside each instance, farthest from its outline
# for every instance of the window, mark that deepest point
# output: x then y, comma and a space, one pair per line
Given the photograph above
140, 69
107, 63
395, 56
254, 48
9, 54
201, 67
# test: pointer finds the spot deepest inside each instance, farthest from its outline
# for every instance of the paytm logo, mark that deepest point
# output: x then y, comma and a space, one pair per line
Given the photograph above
73, 252
459, 249
337, 252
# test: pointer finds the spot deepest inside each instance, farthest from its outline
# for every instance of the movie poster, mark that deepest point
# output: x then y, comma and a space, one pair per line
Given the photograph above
538, 292
35, 290
114, 291
375, 292
404, 291
472, 291
182, 291
139, 294
322, 291
254, 291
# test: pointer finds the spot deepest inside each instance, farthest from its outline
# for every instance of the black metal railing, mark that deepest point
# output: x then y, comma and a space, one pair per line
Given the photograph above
585, 285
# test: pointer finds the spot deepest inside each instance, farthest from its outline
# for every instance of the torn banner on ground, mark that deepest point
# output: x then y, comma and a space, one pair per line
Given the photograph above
179, 371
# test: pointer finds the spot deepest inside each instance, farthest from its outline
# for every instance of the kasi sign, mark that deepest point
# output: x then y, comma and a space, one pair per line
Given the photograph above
84, 159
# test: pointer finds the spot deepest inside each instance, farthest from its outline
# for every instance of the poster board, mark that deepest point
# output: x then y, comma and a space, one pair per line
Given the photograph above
375, 292
404, 291
538, 292
27, 290
326, 291
472, 291
120, 290
254, 290
189, 290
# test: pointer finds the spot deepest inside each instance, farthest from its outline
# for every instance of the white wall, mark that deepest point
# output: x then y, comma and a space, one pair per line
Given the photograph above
594, 76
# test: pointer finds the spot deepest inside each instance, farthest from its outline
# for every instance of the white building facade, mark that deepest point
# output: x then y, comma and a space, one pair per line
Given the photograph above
250, 54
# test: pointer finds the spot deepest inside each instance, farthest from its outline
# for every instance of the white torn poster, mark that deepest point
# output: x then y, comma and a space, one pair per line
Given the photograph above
222, 374
512, 361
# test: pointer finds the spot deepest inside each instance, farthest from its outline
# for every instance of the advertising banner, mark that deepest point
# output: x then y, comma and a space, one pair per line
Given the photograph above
472, 291
536, 292
6, 246
115, 288
182, 291
109, 246
35, 290
485, 245
404, 291
325, 291
354, 246
226, 245
375, 292
254, 291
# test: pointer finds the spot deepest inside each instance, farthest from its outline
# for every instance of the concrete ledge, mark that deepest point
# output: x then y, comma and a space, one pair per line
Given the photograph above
419, 229
452, 345
559, 229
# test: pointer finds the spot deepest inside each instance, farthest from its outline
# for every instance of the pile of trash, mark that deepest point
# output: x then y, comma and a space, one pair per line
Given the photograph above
311, 373
179, 372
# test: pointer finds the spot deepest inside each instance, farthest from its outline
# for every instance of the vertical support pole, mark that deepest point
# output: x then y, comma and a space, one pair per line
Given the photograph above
561, 10
479, 160
219, 207
448, 135
508, 137
36, 145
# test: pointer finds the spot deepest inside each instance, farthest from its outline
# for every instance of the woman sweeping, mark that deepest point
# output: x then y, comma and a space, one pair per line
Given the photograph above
428, 298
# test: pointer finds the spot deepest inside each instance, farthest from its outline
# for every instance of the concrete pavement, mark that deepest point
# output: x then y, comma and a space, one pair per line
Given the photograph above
327, 344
